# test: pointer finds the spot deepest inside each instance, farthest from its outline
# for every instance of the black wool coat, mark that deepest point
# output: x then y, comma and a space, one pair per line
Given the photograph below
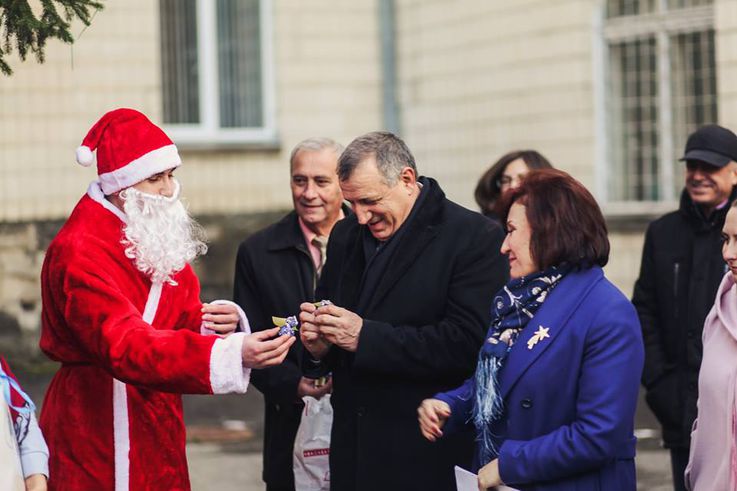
681, 269
274, 274
422, 329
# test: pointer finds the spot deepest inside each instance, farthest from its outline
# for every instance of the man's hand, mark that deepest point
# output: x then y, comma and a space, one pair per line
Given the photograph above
489, 476
307, 387
261, 351
339, 326
309, 332
221, 318
432, 414
36, 482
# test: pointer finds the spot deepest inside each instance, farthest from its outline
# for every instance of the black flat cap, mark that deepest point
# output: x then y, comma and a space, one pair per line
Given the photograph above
712, 144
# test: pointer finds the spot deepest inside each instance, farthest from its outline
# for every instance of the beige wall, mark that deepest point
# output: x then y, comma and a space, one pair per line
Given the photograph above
327, 82
477, 78
486, 77
726, 59
45, 110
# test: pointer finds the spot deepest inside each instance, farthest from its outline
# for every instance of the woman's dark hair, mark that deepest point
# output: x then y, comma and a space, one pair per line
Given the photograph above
566, 222
488, 190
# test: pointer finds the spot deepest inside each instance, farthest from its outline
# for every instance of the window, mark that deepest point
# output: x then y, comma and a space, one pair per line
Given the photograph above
660, 86
216, 78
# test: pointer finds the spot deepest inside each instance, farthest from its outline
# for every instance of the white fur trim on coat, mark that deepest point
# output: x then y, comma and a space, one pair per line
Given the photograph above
94, 191
121, 421
243, 324
227, 373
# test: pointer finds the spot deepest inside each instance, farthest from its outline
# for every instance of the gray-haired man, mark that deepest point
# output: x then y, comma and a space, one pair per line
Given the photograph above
411, 276
276, 270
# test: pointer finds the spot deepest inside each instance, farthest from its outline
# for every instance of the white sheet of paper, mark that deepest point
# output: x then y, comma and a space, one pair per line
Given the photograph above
468, 481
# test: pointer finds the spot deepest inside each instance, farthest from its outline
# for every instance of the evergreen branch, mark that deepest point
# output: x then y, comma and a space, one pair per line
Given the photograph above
22, 31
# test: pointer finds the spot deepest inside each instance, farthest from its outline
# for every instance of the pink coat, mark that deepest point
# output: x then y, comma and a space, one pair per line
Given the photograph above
713, 457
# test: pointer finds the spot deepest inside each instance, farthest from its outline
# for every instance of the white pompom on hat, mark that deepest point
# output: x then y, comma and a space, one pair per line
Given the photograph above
84, 156
130, 148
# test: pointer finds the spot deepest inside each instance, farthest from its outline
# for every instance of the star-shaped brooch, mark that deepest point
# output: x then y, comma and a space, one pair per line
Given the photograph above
540, 334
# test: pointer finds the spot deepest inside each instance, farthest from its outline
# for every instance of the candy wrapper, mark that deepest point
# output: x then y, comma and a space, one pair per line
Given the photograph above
290, 325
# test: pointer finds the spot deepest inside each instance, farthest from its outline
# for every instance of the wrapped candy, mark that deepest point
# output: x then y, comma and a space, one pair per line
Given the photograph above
290, 325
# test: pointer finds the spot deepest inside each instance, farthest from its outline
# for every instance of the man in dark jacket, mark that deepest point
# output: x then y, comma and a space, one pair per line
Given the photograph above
411, 276
276, 270
681, 269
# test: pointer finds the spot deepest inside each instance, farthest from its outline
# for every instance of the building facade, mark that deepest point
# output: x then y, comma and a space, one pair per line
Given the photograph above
606, 89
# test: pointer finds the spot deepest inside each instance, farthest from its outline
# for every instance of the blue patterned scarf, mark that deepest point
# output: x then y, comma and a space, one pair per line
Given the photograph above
513, 307
8, 387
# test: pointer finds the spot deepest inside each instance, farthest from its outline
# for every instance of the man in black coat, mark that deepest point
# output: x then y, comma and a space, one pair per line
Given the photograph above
681, 269
276, 270
411, 276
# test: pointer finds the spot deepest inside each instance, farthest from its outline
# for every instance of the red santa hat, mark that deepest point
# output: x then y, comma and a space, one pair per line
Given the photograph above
130, 148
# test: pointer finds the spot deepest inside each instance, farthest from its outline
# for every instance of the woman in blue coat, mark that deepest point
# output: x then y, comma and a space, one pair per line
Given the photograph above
554, 394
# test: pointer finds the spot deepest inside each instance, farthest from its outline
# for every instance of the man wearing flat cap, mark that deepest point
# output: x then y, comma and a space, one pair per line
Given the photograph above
681, 269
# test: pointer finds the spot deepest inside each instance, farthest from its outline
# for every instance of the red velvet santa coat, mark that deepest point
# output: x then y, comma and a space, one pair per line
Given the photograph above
112, 416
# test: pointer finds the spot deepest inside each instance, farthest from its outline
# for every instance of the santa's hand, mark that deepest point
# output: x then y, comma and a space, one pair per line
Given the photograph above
339, 326
309, 333
222, 318
265, 348
432, 414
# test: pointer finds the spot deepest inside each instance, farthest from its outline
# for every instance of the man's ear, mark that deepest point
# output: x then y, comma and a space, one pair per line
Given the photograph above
733, 172
407, 175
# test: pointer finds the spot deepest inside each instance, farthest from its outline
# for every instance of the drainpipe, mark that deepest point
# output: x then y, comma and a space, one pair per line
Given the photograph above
390, 105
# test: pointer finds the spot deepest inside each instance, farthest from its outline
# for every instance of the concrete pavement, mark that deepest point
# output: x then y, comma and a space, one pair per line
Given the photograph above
229, 467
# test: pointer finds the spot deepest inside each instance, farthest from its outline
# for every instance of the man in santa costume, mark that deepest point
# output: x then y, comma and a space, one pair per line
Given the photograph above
122, 313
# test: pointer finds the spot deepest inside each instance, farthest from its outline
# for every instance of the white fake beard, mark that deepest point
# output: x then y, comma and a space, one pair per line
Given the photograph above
160, 236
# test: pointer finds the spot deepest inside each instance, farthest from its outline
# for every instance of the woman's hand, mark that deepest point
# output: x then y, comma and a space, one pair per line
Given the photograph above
432, 414
36, 482
489, 476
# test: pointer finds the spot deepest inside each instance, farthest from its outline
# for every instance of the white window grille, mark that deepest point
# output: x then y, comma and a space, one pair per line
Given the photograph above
660, 81
216, 72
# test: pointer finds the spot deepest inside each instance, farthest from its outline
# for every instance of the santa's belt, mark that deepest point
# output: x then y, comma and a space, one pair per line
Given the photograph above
71, 364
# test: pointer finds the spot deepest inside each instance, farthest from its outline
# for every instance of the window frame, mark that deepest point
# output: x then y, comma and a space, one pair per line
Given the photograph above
662, 25
208, 134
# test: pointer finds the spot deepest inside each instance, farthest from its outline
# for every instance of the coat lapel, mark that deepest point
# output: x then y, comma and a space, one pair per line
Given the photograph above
288, 235
551, 319
355, 263
420, 232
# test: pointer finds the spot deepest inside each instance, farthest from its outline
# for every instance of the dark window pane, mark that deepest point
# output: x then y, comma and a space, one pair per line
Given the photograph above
179, 68
239, 58
619, 8
679, 4
633, 113
694, 93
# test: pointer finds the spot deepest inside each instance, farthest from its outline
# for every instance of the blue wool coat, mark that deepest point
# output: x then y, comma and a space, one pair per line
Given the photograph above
570, 398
